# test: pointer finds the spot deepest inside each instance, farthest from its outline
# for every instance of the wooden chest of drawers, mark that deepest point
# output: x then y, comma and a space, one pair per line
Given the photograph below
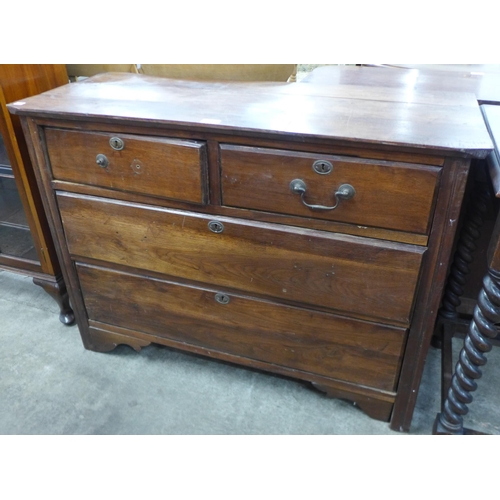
276, 226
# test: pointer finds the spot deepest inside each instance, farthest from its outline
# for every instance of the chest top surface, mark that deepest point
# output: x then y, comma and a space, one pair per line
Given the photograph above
449, 123
483, 81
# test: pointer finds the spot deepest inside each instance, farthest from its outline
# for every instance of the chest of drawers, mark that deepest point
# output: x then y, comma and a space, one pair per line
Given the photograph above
275, 226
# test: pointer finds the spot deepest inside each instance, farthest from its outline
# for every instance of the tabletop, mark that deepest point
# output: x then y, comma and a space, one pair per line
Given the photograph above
483, 81
448, 123
492, 119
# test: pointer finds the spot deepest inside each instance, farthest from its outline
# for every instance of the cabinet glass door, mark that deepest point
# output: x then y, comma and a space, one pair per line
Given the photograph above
15, 237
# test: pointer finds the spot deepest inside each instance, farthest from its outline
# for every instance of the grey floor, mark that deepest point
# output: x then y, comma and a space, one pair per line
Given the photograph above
51, 385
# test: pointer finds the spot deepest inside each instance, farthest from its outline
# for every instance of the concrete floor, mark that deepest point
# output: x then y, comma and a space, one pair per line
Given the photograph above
51, 385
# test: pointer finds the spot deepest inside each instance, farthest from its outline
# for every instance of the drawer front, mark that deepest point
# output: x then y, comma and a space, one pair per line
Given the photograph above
388, 195
370, 278
167, 168
355, 351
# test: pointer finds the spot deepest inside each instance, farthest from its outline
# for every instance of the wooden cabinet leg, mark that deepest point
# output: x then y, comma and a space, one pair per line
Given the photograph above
57, 290
471, 358
374, 408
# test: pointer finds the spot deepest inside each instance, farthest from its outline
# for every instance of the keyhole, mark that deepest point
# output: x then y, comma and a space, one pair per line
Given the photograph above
216, 226
322, 167
222, 298
116, 143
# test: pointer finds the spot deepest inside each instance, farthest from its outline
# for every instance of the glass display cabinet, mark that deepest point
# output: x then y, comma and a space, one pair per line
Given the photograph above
26, 245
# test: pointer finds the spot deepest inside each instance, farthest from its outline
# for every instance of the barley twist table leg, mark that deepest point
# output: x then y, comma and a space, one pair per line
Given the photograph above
472, 357
464, 252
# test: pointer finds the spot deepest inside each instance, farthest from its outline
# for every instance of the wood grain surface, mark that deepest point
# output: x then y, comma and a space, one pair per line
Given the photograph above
301, 296
388, 195
336, 347
345, 273
411, 84
287, 109
164, 167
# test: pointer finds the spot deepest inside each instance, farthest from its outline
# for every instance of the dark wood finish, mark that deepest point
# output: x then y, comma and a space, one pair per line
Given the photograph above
150, 268
354, 351
316, 268
482, 328
411, 84
254, 108
473, 219
28, 241
472, 356
374, 407
159, 167
314, 144
260, 179
406, 84
104, 340
220, 211
430, 290
59, 293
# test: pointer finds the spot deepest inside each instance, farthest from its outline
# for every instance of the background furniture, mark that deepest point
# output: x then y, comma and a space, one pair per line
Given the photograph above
26, 244
250, 230
85, 70
201, 72
480, 244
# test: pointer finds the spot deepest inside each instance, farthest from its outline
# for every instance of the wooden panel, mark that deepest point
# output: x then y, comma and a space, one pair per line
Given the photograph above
369, 277
169, 168
355, 351
388, 195
282, 109
241, 213
314, 145
412, 85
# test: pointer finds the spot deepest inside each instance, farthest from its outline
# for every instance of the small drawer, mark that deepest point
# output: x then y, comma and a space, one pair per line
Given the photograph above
382, 194
360, 276
314, 342
166, 168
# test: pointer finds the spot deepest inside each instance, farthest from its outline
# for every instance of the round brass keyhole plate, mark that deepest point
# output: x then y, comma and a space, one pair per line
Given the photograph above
116, 143
322, 167
215, 226
222, 298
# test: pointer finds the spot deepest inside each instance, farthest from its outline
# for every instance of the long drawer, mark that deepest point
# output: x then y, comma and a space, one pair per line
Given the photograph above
364, 277
391, 195
341, 348
163, 167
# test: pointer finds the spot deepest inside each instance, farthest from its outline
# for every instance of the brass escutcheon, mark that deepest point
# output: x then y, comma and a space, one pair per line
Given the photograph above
215, 226
322, 167
222, 298
116, 143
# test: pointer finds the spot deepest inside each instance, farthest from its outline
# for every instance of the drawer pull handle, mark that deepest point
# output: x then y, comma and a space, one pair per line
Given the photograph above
215, 226
222, 298
101, 160
344, 192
